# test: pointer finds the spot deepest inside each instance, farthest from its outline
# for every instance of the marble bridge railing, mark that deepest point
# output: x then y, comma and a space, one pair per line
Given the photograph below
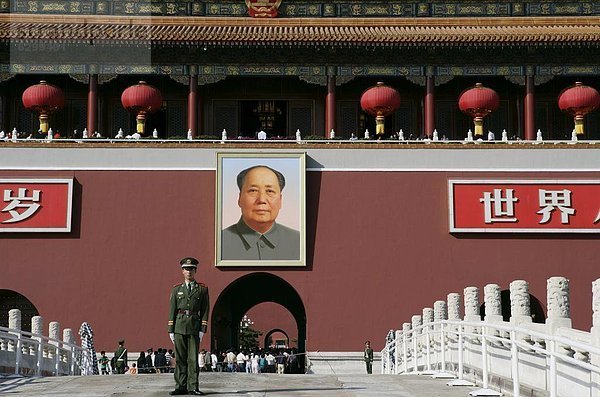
516, 357
33, 354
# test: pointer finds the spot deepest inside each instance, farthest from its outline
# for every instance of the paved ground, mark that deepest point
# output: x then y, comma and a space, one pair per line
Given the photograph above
228, 384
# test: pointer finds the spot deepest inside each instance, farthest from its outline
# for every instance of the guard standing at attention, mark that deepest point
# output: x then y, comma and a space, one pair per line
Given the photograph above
368, 356
121, 358
188, 320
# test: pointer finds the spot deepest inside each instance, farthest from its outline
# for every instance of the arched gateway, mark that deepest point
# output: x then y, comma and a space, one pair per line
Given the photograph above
245, 293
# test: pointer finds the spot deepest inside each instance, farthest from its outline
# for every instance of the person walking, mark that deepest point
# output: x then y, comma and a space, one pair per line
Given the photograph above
121, 358
188, 320
368, 356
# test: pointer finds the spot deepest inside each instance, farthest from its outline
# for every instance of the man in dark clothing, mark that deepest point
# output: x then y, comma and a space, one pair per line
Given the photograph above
149, 363
368, 356
141, 364
160, 361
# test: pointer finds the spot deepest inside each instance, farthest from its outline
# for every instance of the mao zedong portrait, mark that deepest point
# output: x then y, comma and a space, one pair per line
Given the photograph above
257, 235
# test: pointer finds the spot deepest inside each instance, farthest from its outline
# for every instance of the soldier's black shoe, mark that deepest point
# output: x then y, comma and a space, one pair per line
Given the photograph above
178, 392
195, 393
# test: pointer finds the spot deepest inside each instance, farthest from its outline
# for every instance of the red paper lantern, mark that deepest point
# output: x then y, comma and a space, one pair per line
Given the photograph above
578, 100
380, 101
478, 102
43, 98
141, 99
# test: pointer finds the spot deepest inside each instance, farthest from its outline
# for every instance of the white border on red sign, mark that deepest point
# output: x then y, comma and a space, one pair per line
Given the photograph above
452, 182
66, 229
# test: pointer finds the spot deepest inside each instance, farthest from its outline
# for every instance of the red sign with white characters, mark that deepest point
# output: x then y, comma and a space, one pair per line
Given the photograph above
35, 205
524, 206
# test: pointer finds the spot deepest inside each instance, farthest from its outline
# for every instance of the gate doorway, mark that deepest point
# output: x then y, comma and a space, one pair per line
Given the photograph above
265, 115
245, 293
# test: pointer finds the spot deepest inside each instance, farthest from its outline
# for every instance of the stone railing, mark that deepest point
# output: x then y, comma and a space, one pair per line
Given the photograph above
517, 357
33, 354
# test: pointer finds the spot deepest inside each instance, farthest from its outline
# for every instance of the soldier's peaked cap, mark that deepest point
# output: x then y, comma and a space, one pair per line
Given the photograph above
189, 262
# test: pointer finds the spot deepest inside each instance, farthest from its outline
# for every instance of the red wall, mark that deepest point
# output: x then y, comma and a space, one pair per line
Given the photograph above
378, 251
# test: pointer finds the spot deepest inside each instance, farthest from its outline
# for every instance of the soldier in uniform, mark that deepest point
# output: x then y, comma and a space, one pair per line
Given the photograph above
121, 358
368, 356
188, 320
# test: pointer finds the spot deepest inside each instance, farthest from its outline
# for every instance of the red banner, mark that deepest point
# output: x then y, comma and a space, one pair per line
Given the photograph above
526, 206
35, 205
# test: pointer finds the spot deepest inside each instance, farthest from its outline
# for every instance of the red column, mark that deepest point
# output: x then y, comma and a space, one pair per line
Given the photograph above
429, 106
330, 106
92, 105
193, 105
529, 108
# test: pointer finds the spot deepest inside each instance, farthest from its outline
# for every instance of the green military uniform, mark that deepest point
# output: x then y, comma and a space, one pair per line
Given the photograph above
188, 316
120, 358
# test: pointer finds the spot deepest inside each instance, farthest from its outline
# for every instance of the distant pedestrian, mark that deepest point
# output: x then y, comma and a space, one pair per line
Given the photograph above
270, 363
368, 356
207, 361
213, 362
280, 360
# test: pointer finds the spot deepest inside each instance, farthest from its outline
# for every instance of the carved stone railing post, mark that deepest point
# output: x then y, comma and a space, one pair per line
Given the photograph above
453, 306
416, 321
453, 314
427, 338
53, 333
427, 315
406, 338
67, 338
14, 322
37, 328
493, 304
559, 306
520, 308
440, 311
472, 304
37, 325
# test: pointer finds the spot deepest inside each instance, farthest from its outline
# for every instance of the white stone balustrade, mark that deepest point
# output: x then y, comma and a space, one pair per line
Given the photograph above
32, 353
552, 358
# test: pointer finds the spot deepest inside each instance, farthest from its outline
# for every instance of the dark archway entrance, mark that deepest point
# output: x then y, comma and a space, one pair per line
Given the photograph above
269, 340
13, 300
243, 294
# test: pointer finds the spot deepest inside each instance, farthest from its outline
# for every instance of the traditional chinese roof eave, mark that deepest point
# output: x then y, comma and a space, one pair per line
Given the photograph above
301, 31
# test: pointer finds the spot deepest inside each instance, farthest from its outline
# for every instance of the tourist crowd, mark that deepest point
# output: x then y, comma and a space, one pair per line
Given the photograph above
281, 361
